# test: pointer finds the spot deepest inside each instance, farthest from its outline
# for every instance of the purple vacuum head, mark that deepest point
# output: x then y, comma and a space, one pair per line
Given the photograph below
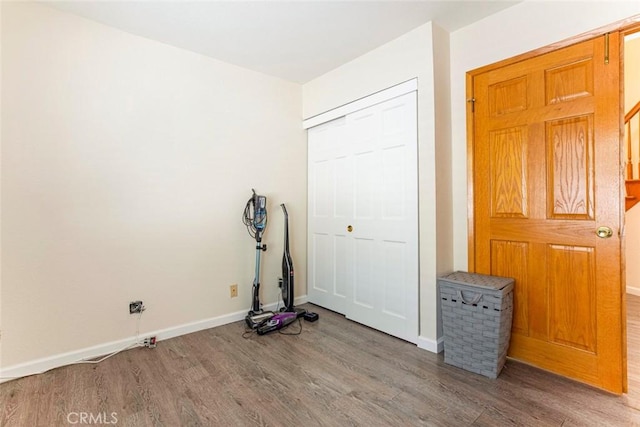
278, 321
285, 317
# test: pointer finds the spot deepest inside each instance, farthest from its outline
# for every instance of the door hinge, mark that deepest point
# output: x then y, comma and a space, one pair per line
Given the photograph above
606, 48
472, 101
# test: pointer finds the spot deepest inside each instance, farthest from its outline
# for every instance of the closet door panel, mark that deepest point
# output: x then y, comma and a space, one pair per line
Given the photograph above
370, 272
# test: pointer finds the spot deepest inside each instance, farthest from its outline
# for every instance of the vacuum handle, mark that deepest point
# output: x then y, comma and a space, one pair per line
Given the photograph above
286, 228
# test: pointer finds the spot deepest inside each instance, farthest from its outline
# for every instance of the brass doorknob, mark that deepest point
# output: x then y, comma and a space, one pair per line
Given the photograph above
349, 228
604, 232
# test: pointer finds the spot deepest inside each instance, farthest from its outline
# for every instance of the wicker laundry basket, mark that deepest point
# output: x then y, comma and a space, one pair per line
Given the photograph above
477, 310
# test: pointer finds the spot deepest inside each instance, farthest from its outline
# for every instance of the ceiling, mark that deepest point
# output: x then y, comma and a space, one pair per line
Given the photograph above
294, 40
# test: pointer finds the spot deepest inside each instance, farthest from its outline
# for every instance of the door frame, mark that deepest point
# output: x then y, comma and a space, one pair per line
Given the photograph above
626, 26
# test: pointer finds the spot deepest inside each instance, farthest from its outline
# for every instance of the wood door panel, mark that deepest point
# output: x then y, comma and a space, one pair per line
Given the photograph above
510, 259
570, 81
543, 230
542, 113
570, 165
508, 96
572, 296
546, 175
556, 358
508, 162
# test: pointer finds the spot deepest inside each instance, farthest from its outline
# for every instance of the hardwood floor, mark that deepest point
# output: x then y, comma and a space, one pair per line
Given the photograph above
335, 373
633, 351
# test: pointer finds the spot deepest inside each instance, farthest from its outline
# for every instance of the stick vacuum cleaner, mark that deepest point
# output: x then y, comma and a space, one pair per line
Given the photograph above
289, 313
286, 282
255, 219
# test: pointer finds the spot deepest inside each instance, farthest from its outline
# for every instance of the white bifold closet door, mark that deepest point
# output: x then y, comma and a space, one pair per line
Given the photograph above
363, 216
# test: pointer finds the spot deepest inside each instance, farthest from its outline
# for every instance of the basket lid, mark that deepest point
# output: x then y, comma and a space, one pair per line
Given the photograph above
480, 280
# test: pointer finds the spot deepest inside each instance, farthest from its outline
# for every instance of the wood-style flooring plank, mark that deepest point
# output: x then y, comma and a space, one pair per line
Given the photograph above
334, 373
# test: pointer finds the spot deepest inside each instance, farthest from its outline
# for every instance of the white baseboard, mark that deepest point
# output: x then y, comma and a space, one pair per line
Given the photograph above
633, 291
40, 366
431, 345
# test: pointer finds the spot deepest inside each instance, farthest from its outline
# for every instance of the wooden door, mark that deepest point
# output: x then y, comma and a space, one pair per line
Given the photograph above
546, 176
363, 216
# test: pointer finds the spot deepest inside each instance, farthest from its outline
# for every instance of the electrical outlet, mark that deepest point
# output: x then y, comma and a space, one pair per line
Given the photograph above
136, 307
150, 342
233, 290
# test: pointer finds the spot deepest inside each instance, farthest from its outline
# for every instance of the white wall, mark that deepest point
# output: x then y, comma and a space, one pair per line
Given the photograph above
631, 71
443, 182
521, 28
407, 57
632, 216
0, 189
632, 219
126, 164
